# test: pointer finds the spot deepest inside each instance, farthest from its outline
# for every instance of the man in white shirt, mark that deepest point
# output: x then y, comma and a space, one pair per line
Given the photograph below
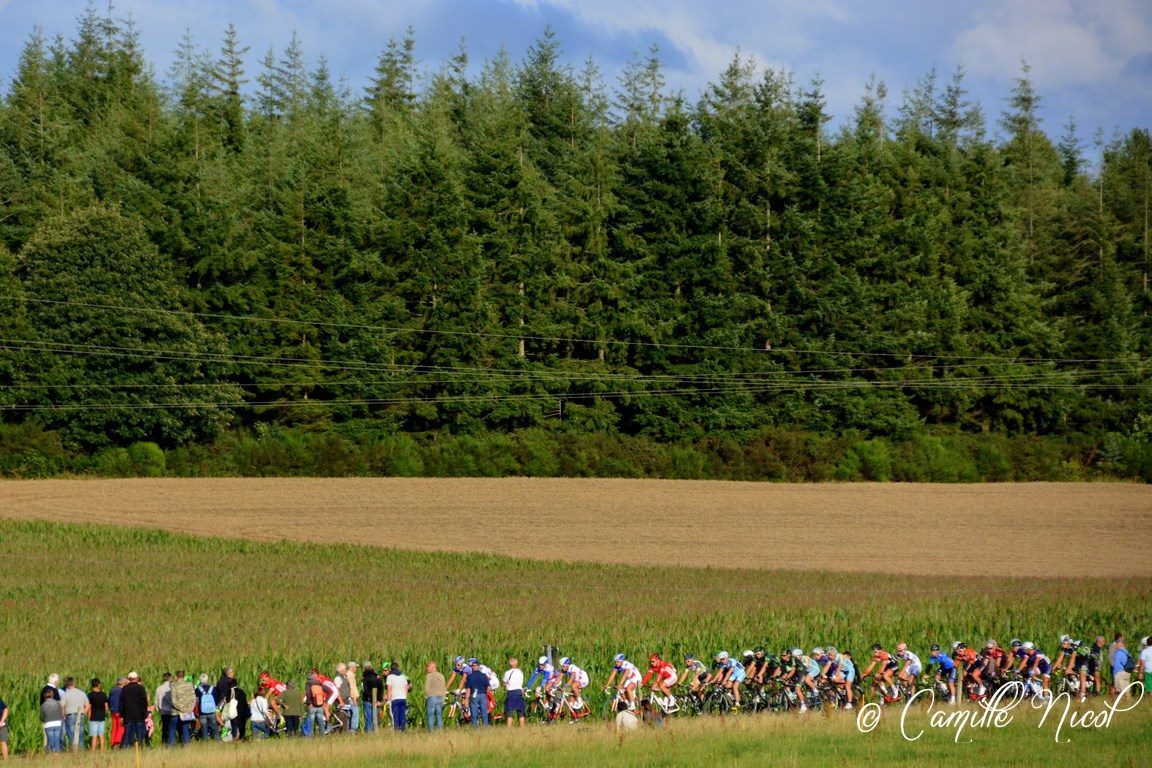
1144, 667
396, 689
514, 684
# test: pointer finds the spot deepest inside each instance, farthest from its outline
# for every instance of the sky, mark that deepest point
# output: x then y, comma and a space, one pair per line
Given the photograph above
1091, 59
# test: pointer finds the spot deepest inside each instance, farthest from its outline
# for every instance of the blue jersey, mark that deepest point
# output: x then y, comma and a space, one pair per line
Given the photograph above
545, 673
946, 664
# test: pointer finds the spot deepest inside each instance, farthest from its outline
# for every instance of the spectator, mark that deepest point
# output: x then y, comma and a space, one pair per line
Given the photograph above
343, 691
206, 706
183, 696
1112, 660
477, 686
1145, 667
224, 685
134, 710
397, 685
435, 689
117, 737
243, 714
74, 702
259, 709
292, 707
163, 701
372, 695
514, 685
52, 716
52, 687
626, 719
1121, 669
97, 713
317, 698
3, 730
353, 699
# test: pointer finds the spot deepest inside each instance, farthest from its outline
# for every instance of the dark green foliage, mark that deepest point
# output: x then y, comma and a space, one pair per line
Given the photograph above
551, 285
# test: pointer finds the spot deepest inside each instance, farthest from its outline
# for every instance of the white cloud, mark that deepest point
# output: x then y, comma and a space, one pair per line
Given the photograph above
1066, 42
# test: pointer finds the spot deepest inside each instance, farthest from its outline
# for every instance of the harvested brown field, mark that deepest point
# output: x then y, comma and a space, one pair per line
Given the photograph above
1035, 529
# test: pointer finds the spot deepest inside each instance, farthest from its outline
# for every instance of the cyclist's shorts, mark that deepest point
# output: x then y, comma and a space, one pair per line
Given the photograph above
914, 670
670, 678
948, 675
891, 664
1044, 667
849, 674
738, 676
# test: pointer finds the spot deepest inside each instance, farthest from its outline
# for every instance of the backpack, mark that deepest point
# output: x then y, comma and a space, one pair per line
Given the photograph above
207, 702
317, 695
1130, 664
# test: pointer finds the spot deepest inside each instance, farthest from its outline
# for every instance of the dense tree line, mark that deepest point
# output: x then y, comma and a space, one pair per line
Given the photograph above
530, 248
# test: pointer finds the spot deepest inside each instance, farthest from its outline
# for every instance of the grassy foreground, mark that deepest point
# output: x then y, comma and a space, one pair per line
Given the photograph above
98, 601
765, 740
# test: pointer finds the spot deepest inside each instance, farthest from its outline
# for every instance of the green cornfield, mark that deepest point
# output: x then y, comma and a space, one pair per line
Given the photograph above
99, 601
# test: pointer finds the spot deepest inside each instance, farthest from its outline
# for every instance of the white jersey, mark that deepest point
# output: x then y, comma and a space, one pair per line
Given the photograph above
912, 659
493, 680
576, 675
628, 672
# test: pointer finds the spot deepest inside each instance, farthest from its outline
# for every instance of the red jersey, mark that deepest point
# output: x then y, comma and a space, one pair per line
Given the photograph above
664, 670
276, 687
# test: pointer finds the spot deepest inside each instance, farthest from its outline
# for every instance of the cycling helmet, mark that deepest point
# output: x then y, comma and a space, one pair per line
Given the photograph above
458, 660
817, 651
958, 646
473, 660
619, 657
797, 652
748, 654
759, 649
831, 650
565, 661
1015, 643
723, 655
1028, 645
542, 660
877, 647
933, 647
654, 658
990, 644
786, 652
689, 657
1065, 639
901, 647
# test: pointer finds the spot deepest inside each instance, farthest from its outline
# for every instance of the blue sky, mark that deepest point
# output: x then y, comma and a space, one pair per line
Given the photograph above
1091, 58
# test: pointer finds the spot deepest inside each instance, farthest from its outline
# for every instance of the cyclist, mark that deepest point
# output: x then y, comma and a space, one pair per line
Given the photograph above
807, 672
762, 667
1095, 664
1015, 654
946, 669
1035, 662
973, 676
545, 672
993, 657
460, 669
729, 673
577, 679
1068, 652
912, 668
841, 672
275, 688
629, 678
696, 672
885, 666
664, 673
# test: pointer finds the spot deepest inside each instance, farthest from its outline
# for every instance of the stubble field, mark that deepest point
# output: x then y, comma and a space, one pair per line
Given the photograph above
1034, 529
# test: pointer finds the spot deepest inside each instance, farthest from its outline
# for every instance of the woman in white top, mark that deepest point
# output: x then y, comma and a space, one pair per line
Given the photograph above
259, 707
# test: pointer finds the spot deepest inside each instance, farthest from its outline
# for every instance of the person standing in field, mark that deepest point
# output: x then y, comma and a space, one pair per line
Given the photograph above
224, 685
183, 695
114, 696
260, 711
206, 706
435, 689
477, 685
97, 714
243, 714
291, 704
74, 702
52, 718
134, 710
51, 687
317, 697
513, 681
398, 687
1121, 668
1144, 668
163, 699
3, 730
372, 696
353, 699
340, 697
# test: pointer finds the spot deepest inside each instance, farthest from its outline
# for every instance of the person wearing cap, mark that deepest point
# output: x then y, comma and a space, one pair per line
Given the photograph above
134, 711
513, 680
477, 685
435, 689
371, 696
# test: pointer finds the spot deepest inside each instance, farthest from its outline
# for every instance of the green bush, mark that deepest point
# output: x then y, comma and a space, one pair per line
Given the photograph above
113, 462
147, 459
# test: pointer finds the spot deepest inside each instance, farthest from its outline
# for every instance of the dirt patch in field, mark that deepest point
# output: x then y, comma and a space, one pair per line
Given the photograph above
1035, 529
